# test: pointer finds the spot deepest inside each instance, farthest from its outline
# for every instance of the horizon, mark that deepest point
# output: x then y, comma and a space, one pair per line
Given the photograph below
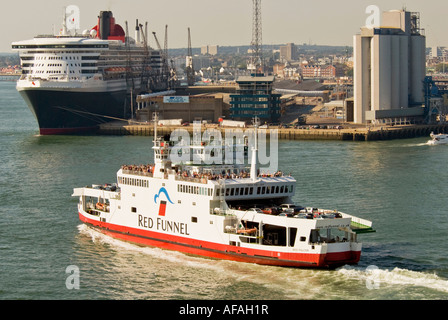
230, 24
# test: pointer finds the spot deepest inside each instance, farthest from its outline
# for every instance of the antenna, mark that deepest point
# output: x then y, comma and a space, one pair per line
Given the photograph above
257, 58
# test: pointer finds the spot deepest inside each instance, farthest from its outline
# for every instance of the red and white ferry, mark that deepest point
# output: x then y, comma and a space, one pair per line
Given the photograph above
219, 211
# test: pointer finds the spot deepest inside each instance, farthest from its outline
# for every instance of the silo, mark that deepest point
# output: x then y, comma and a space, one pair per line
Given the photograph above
383, 83
404, 72
395, 71
361, 74
417, 68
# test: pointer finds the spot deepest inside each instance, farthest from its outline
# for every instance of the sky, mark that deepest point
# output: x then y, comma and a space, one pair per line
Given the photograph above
221, 22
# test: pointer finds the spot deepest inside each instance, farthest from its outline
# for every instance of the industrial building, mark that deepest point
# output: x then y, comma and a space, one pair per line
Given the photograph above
389, 69
187, 108
255, 98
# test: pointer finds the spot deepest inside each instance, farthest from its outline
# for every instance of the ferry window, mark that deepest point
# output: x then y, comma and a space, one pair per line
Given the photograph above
258, 190
273, 189
237, 191
291, 188
194, 219
246, 191
314, 236
292, 236
281, 189
227, 192
134, 210
276, 189
217, 192
251, 190
302, 238
263, 190
231, 191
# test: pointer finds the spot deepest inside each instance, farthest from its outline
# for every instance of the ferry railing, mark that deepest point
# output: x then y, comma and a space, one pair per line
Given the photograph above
191, 179
137, 172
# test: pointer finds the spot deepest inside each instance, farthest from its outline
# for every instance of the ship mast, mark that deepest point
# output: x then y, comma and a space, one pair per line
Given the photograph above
155, 117
254, 162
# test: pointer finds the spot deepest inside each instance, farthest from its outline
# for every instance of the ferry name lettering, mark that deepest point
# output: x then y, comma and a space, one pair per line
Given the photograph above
163, 225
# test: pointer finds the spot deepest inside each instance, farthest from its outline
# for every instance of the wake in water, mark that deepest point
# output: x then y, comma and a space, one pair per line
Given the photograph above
376, 278
347, 282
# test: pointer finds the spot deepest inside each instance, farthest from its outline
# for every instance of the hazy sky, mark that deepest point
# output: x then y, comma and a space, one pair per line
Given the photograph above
224, 22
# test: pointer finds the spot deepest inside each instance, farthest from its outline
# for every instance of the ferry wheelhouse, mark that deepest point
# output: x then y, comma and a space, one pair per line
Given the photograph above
219, 211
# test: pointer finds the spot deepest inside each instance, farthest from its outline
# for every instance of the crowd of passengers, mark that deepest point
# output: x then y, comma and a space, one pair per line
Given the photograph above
148, 168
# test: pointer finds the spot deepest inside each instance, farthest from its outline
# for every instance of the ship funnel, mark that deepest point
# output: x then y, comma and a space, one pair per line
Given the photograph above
137, 32
104, 25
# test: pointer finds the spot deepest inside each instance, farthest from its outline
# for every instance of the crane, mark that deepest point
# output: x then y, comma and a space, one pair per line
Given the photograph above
167, 73
189, 62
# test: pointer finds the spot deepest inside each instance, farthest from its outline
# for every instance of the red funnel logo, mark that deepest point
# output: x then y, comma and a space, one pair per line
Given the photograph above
162, 208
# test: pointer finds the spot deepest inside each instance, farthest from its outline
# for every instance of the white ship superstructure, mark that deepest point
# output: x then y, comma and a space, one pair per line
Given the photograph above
220, 211
72, 83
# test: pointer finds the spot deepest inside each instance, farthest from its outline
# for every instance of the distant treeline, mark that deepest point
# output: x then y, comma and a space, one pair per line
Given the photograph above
9, 59
302, 48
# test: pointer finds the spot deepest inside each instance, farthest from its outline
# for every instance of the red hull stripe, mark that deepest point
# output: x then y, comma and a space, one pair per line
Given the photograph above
220, 251
64, 131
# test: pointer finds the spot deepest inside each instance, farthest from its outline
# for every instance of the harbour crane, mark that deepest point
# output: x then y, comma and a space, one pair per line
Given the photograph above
189, 62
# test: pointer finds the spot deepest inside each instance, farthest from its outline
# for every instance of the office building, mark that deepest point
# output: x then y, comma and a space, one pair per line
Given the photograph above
288, 52
255, 98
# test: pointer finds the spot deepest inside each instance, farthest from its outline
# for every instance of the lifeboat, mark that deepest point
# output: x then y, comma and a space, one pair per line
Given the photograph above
99, 206
247, 231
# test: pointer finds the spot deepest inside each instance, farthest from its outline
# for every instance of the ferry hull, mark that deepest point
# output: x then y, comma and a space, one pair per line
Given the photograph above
71, 112
221, 251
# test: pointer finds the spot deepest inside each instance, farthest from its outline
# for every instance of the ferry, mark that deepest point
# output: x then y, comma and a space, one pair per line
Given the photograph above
221, 211
73, 82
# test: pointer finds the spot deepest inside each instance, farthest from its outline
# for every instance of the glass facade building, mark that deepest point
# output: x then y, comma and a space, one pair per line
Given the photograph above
255, 98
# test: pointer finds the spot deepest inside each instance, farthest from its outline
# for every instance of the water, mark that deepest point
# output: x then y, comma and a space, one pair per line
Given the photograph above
400, 185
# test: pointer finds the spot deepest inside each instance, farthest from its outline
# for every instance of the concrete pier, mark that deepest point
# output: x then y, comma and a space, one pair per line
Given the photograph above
346, 134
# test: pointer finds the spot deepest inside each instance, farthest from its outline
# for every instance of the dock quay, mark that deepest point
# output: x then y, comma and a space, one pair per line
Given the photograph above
310, 133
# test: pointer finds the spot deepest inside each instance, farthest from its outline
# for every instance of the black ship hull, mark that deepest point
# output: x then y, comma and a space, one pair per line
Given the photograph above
72, 112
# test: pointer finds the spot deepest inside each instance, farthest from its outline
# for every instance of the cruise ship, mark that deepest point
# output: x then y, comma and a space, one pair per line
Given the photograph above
220, 211
73, 83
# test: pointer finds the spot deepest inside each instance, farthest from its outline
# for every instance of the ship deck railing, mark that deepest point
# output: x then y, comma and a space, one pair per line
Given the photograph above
137, 172
146, 170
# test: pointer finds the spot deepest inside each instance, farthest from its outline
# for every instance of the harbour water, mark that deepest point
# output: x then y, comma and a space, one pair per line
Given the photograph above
400, 185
